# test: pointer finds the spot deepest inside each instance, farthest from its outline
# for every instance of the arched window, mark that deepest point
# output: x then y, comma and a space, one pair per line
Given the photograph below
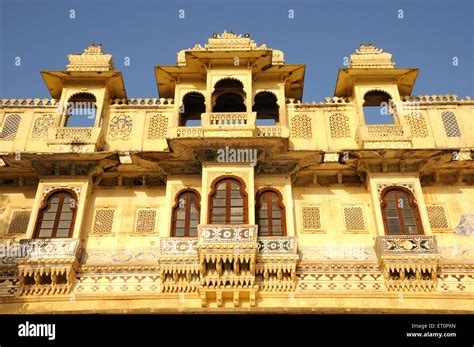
228, 202
57, 215
229, 96
186, 214
400, 212
266, 106
192, 107
270, 213
378, 108
81, 110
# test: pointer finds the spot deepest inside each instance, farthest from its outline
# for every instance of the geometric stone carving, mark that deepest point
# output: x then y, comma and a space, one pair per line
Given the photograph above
408, 186
450, 123
103, 220
19, 222
339, 126
146, 220
10, 127
41, 126
417, 124
227, 257
120, 127
311, 217
437, 217
354, 218
224, 261
158, 127
276, 263
301, 127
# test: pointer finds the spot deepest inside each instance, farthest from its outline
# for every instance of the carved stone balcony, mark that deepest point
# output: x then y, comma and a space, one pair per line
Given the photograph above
408, 262
179, 265
74, 139
226, 124
227, 256
276, 263
47, 266
228, 262
384, 136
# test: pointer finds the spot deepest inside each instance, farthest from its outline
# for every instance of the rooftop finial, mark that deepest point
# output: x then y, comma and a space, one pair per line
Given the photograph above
369, 56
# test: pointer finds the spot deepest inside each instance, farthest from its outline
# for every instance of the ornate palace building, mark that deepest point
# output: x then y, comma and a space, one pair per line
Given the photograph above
228, 193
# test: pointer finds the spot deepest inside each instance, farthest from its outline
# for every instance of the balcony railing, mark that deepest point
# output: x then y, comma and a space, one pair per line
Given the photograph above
73, 135
408, 262
228, 119
406, 244
276, 245
227, 233
272, 131
384, 135
67, 139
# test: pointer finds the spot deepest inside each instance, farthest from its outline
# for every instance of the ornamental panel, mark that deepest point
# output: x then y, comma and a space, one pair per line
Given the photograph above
10, 127
158, 127
146, 220
437, 216
301, 127
120, 127
451, 127
41, 126
339, 126
354, 218
103, 220
417, 124
19, 222
311, 216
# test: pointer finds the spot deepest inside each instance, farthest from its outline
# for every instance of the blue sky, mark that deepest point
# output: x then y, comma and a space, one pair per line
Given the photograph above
320, 35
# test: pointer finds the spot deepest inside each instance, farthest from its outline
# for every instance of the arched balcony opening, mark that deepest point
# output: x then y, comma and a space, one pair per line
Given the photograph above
266, 107
191, 108
229, 96
378, 108
81, 110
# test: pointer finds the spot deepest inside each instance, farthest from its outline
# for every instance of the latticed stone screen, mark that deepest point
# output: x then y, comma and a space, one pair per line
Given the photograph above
41, 126
103, 220
158, 127
301, 127
19, 222
450, 123
146, 219
354, 218
437, 217
10, 127
339, 126
417, 124
311, 217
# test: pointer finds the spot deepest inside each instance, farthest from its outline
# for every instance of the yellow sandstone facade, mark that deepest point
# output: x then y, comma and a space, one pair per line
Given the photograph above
228, 193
